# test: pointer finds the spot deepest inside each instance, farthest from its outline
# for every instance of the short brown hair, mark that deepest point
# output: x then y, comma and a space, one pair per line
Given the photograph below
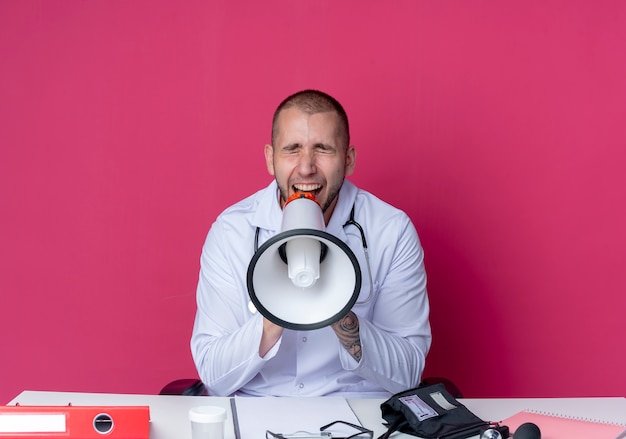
312, 102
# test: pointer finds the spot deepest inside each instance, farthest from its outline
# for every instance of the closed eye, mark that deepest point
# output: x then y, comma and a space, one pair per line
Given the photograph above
292, 147
323, 147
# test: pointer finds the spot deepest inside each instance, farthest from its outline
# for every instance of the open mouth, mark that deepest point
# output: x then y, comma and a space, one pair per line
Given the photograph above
313, 189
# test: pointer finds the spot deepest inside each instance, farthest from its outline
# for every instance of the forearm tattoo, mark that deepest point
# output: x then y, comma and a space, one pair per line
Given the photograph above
347, 329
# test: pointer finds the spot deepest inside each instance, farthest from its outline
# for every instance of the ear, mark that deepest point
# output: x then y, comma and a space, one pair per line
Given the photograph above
269, 158
350, 160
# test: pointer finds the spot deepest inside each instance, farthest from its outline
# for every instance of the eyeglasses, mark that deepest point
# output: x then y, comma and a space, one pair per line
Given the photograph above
324, 433
360, 430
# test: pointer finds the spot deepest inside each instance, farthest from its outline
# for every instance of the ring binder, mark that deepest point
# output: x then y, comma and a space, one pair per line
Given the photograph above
79, 422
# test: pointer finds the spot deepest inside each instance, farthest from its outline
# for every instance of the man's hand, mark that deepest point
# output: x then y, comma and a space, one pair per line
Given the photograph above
347, 329
271, 334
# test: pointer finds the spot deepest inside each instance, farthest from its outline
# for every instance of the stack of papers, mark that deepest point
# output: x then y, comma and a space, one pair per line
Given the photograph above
288, 415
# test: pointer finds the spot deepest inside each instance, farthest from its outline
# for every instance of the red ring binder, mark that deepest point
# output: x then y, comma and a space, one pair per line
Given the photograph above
84, 422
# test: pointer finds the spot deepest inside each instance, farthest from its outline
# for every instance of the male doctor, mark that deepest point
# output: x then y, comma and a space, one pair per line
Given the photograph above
379, 347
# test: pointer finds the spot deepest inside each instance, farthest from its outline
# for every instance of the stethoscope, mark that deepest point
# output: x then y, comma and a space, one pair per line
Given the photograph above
351, 222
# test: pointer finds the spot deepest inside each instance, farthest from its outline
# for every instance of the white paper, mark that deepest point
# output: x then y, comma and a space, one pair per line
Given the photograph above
288, 415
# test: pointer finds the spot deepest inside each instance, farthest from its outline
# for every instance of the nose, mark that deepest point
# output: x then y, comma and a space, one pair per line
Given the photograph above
306, 163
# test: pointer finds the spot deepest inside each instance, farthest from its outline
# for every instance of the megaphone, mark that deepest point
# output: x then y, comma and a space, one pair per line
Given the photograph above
303, 278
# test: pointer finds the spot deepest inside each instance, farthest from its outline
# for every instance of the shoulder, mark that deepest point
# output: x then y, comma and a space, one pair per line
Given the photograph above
376, 210
242, 207
388, 223
387, 227
248, 210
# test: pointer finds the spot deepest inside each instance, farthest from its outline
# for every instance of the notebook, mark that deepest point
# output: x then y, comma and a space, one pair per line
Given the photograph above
557, 426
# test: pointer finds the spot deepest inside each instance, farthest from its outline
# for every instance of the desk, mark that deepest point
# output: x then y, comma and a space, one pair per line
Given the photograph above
169, 413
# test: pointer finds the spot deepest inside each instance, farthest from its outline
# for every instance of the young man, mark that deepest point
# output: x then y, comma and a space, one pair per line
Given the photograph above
377, 348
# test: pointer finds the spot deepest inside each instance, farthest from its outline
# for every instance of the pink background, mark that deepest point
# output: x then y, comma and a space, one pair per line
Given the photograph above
499, 127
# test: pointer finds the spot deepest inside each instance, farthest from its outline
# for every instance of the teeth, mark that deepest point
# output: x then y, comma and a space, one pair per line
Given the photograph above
307, 187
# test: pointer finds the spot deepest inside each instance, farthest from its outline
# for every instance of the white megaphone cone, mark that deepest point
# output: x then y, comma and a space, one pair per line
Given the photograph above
302, 254
303, 278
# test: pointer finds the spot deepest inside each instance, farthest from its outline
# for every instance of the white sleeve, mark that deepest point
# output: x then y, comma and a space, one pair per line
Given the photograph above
226, 337
396, 338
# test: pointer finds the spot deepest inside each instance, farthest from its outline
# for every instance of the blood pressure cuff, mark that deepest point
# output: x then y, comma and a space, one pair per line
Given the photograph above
429, 412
